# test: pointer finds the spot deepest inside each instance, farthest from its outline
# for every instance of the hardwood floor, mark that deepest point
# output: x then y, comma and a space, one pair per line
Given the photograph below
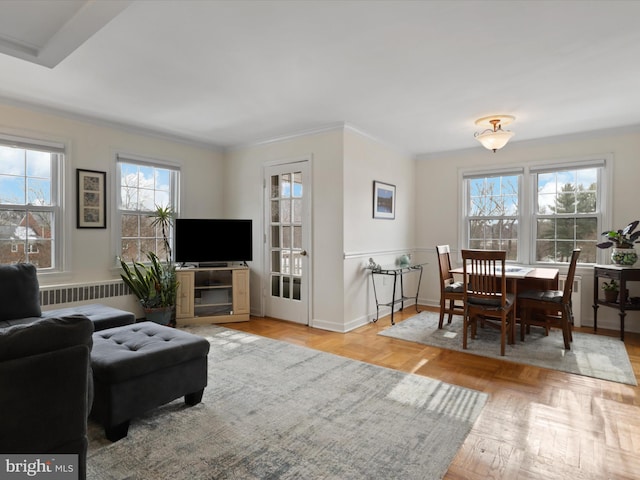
537, 423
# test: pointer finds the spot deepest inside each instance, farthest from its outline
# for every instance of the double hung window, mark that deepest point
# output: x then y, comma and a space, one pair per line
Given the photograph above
492, 209
537, 213
567, 213
144, 186
30, 210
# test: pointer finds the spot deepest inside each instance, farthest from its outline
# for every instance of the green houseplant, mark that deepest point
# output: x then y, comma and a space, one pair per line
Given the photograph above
611, 290
622, 242
155, 285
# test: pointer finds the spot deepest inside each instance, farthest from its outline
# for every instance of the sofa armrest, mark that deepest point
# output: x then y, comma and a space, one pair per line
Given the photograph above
46, 387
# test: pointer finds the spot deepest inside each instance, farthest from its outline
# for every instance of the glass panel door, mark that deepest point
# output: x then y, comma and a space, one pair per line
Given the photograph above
287, 237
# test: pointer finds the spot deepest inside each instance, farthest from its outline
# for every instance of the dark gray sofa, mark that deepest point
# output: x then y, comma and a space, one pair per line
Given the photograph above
46, 385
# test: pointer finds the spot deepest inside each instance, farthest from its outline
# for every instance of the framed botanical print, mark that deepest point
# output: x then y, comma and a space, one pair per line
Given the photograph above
384, 200
92, 199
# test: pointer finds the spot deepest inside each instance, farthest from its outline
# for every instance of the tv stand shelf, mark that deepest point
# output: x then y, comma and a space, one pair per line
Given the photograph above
212, 295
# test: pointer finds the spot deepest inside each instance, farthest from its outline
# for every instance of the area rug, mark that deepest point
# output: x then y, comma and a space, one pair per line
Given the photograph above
590, 355
274, 410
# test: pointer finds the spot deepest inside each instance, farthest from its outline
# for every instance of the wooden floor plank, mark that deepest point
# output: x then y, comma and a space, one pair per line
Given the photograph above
537, 423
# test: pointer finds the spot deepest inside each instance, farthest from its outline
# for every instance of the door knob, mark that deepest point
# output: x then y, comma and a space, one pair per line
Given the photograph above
303, 253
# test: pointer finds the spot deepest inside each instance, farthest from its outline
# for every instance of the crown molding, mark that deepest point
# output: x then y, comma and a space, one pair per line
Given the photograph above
102, 122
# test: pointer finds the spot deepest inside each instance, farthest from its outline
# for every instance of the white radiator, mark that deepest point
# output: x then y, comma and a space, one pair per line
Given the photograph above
576, 295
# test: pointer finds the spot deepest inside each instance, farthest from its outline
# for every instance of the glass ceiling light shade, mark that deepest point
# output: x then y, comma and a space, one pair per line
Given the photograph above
494, 138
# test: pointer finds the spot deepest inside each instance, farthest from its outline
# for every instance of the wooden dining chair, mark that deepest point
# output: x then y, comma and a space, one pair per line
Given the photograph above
451, 292
485, 295
550, 308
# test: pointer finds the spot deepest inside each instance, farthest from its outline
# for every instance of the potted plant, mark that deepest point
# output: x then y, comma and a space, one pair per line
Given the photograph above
155, 286
163, 218
622, 242
611, 290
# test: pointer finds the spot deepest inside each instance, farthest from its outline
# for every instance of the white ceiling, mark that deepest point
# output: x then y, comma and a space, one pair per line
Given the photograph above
414, 74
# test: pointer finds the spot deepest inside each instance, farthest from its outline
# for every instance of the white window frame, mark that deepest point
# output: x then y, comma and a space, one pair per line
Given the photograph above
57, 207
146, 162
599, 164
527, 201
493, 172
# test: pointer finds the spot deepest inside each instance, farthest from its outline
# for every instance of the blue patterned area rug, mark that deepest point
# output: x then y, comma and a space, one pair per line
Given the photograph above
274, 410
590, 355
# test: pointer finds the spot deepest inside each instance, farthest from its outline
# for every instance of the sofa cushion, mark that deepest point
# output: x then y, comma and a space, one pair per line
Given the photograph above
19, 291
102, 316
45, 335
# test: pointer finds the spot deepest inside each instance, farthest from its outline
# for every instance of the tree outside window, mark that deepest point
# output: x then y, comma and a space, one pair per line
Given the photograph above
492, 219
564, 211
144, 187
28, 205
567, 215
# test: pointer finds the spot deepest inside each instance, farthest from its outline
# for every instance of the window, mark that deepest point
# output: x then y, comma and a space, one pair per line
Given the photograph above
144, 186
30, 211
492, 209
538, 213
567, 214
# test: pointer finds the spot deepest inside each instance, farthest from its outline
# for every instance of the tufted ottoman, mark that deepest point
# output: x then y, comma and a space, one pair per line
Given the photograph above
142, 366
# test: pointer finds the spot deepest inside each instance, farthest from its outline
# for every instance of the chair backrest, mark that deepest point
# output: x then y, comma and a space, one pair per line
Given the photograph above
484, 276
444, 262
568, 283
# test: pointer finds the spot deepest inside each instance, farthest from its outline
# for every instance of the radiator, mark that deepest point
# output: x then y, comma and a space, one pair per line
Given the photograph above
576, 296
59, 295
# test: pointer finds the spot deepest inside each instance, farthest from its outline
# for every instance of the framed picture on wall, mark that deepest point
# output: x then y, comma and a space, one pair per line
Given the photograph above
384, 200
92, 201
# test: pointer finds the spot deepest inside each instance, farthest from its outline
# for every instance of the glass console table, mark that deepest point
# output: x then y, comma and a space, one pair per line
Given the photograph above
397, 272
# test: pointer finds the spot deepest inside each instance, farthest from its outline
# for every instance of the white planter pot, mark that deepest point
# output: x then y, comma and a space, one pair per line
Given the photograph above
624, 256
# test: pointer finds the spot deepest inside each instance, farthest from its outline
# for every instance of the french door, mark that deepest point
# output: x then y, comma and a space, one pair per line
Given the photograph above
287, 240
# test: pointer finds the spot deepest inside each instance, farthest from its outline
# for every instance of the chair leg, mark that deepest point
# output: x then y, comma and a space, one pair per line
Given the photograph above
442, 307
465, 325
503, 334
566, 327
512, 328
452, 304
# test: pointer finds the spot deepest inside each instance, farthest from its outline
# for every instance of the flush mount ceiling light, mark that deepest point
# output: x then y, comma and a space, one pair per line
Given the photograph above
494, 138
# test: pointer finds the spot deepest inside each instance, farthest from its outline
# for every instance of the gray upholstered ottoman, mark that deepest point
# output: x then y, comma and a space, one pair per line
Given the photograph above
102, 316
142, 366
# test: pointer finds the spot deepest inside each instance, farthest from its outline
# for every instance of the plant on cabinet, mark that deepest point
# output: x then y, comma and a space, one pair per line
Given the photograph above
611, 290
622, 242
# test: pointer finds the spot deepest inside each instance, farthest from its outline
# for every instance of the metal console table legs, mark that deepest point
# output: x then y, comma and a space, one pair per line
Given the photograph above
397, 272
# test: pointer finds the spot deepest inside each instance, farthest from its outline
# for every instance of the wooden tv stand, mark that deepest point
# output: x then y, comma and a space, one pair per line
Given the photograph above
212, 295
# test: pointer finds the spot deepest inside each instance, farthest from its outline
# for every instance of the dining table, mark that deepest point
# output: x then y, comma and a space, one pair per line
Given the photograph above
521, 278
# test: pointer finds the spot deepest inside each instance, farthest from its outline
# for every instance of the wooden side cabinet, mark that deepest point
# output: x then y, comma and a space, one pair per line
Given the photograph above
622, 275
212, 295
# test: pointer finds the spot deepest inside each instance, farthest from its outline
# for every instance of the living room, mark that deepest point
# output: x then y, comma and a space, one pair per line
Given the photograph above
346, 157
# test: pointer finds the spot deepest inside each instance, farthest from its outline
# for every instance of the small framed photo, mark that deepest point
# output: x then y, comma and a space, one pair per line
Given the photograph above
384, 200
92, 199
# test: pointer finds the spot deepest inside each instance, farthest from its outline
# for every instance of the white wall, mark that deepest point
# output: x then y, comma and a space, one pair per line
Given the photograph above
91, 145
344, 164
438, 196
366, 160
244, 198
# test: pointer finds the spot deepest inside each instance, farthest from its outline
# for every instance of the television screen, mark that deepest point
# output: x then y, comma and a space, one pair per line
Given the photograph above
206, 241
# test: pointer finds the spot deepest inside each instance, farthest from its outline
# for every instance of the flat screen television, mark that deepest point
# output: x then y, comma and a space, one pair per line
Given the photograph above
212, 241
